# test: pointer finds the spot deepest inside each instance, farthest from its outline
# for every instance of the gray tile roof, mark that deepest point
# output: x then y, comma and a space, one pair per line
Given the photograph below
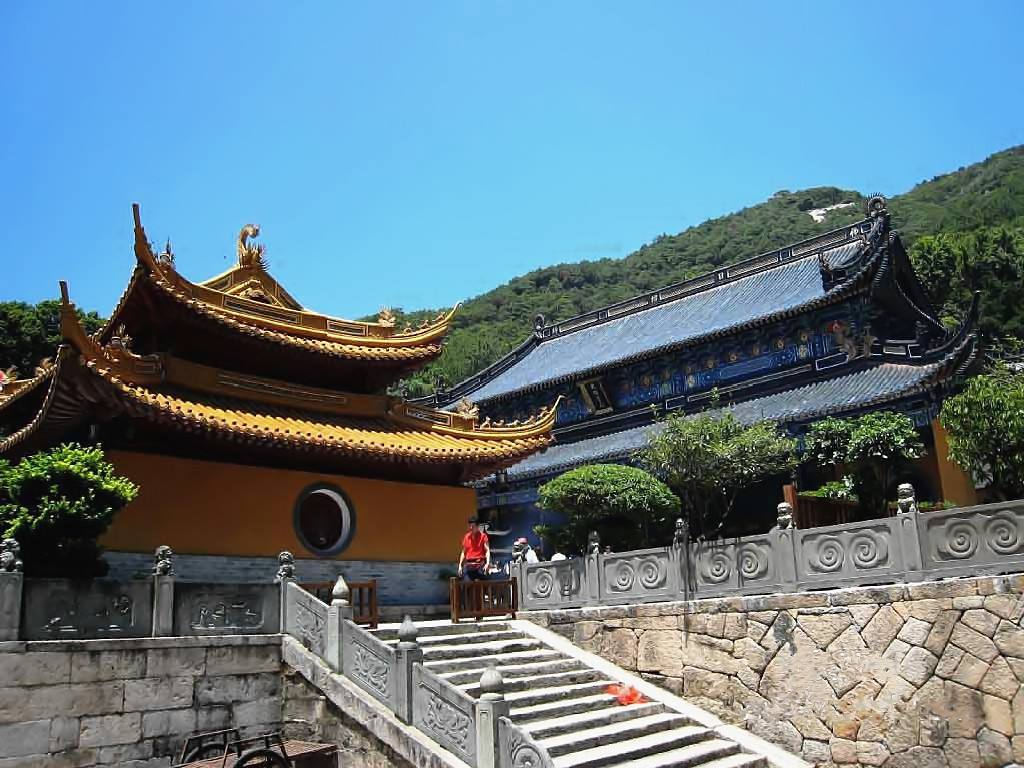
778, 289
886, 381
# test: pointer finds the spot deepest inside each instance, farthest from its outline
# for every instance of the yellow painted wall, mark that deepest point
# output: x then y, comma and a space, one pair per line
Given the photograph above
957, 485
199, 507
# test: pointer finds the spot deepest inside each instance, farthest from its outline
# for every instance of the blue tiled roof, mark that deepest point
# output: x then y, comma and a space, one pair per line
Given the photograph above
843, 393
782, 288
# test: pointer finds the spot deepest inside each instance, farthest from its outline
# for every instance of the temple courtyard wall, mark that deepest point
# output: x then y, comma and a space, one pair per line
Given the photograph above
923, 675
131, 703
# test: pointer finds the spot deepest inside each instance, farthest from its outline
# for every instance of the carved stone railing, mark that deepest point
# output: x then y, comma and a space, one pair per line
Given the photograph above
369, 663
517, 750
306, 618
61, 609
444, 713
910, 546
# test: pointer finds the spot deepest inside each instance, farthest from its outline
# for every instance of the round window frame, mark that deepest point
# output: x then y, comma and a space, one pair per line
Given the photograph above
346, 535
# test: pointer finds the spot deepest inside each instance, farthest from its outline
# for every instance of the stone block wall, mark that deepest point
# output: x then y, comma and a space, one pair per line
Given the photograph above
309, 715
131, 703
927, 675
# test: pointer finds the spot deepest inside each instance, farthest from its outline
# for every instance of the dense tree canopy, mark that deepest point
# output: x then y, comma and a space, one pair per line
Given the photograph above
985, 423
629, 508
709, 458
30, 333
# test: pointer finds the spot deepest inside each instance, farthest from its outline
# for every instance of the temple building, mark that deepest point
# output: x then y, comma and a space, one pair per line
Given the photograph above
835, 325
254, 425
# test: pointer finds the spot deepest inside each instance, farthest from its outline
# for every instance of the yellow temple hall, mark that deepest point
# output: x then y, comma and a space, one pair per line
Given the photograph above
252, 425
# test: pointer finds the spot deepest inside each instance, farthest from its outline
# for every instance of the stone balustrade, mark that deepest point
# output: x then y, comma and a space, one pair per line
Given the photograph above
910, 546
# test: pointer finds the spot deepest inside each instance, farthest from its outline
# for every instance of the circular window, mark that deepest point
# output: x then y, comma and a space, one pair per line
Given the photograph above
324, 519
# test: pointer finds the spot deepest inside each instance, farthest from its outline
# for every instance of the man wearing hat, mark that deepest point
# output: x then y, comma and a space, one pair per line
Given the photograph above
475, 558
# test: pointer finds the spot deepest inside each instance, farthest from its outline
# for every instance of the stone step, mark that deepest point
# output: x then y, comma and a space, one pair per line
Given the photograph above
562, 707
542, 729
609, 734
441, 666
390, 631
739, 760
511, 672
481, 650
531, 696
636, 748
432, 641
533, 682
703, 753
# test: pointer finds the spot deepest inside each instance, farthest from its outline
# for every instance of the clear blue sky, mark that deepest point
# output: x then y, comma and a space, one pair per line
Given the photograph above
414, 154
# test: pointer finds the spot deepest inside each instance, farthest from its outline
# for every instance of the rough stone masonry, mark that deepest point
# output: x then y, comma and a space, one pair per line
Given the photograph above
924, 675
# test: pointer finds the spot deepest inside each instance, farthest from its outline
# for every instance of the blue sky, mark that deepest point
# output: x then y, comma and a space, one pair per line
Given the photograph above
415, 154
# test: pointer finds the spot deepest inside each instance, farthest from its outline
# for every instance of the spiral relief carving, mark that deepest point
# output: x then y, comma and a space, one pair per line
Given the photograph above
1003, 534
717, 567
827, 555
868, 550
543, 584
961, 539
652, 573
624, 577
753, 562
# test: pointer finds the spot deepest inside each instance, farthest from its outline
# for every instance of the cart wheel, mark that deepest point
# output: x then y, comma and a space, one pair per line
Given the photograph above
204, 751
263, 757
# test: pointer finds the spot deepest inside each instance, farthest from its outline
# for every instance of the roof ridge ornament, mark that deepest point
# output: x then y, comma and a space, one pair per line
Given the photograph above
876, 205
251, 256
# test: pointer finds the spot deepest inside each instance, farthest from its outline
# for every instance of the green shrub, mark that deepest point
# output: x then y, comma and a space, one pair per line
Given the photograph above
57, 504
629, 508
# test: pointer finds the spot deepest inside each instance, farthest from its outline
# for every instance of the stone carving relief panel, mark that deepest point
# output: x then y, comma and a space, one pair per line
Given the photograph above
727, 566
517, 750
640, 574
554, 583
370, 663
847, 555
57, 609
987, 534
209, 609
307, 619
445, 714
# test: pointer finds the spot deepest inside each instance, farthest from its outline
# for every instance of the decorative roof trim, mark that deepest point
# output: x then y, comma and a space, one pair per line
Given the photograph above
283, 319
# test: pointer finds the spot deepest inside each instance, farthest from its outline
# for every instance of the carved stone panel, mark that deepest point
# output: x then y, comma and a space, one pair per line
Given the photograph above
444, 713
733, 565
517, 750
561, 583
307, 619
636, 576
56, 609
857, 553
989, 537
369, 663
226, 609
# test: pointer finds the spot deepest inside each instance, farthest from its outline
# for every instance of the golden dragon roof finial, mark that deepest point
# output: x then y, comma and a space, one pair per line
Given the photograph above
251, 255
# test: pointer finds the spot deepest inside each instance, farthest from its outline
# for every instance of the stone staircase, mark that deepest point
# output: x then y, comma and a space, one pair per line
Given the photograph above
557, 694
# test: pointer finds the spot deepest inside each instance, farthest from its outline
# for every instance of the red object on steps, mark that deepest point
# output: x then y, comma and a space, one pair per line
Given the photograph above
625, 694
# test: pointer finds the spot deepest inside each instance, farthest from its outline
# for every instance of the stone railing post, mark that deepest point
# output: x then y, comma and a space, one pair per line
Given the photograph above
489, 707
592, 568
907, 530
784, 545
285, 574
11, 582
407, 653
163, 592
339, 610
681, 552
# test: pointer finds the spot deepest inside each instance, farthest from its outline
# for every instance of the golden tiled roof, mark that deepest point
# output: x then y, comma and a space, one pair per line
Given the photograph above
247, 299
269, 413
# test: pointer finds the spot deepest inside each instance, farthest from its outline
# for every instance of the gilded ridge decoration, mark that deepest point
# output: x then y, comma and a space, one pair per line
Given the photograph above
251, 255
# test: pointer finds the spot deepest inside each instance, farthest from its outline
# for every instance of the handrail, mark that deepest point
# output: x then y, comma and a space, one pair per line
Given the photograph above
480, 599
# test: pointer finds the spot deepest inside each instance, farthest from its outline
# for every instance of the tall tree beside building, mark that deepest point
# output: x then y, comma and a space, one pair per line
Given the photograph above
985, 424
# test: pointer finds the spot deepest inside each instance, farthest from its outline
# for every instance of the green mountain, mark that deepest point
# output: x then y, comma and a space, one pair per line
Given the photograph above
985, 195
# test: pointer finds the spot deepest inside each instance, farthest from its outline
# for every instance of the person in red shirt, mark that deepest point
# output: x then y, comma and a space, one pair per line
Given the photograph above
475, 558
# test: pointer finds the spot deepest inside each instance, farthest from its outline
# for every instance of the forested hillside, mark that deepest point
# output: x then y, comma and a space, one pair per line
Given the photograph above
965, 230
987, 194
